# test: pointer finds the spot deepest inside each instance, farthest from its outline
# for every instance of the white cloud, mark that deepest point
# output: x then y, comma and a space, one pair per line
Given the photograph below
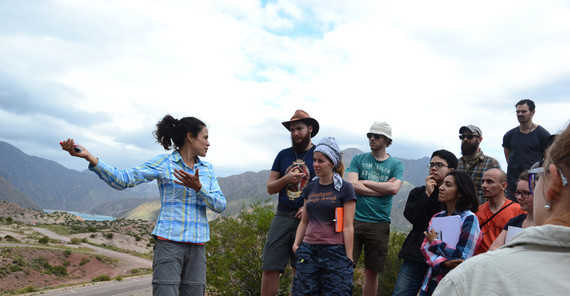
106, 72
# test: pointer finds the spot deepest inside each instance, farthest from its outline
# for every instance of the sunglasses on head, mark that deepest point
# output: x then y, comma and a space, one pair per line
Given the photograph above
535, 172
469, 137
376, 136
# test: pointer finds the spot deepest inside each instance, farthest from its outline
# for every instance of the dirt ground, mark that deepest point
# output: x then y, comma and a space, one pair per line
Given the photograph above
24, 262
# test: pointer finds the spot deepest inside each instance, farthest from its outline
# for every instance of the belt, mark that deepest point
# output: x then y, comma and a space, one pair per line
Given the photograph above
290, 214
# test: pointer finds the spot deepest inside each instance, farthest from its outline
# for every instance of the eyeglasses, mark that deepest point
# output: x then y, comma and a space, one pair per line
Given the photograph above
376, 136
524, 194
533, 176
469, 137
437, 165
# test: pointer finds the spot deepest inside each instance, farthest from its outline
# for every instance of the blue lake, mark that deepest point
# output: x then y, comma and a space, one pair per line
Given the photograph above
87, 217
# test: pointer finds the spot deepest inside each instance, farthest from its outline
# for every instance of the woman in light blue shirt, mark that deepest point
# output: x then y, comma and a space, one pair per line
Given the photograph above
187, 187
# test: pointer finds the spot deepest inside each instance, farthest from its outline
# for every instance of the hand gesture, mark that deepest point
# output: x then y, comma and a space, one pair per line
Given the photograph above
430, 185
187, 179
74, 150
78, 151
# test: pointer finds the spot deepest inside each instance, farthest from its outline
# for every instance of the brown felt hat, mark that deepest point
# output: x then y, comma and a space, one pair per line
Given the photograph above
304, 117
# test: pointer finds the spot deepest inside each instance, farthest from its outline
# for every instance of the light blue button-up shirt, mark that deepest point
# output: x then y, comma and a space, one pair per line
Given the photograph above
182, 215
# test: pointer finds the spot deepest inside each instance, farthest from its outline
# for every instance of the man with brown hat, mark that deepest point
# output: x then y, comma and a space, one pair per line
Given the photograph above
291, 172
376, 177
473, 161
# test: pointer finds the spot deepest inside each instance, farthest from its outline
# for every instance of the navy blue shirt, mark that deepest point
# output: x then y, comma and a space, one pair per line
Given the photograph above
290, 196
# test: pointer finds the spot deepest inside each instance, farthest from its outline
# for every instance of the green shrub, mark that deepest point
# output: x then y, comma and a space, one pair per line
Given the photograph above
84, 261
388, 278
44, 240
136, 271
28, 289
11, 238
234, 265
101, 278
58, 270
76, 240
15, 268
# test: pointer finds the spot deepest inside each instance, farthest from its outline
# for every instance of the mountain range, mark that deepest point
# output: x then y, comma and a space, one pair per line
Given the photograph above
38, 183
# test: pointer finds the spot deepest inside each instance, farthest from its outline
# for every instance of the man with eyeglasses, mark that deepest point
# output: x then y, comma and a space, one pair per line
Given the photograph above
473, 161
497, 211
524, 145
376, 177
421, 205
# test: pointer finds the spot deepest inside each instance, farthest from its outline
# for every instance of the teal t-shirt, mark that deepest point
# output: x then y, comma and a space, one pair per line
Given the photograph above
375, 208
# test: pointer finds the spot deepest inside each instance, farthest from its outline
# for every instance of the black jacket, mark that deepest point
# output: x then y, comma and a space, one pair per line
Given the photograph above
419, 210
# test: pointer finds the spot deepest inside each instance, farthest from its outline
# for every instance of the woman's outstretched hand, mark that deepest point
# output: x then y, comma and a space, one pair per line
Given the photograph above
187, 179
78, 151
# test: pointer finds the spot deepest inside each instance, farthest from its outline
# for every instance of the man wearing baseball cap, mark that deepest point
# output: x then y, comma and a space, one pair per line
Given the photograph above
473, 161
376, 177
291, 172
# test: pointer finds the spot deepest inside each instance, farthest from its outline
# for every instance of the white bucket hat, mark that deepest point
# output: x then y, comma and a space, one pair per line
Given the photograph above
381, 128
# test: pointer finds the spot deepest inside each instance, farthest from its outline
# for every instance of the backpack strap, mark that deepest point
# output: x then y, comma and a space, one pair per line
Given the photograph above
485, 223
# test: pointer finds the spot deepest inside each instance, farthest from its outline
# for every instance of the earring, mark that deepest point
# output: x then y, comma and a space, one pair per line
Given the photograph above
547, 206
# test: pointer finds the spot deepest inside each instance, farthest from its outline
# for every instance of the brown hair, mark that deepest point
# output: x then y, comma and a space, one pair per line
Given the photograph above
559, 155
171, 132
340, 168
523, 176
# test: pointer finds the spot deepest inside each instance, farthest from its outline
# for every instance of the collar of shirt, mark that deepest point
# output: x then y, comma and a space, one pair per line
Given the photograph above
478, 156
178, 159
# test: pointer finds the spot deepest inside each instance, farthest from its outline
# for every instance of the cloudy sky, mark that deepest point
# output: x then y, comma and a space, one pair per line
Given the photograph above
104, 72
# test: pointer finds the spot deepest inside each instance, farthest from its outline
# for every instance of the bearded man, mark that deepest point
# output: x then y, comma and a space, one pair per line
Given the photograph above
292, 170
473, 161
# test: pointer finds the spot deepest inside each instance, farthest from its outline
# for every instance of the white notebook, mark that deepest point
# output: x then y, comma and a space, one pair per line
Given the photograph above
448, 229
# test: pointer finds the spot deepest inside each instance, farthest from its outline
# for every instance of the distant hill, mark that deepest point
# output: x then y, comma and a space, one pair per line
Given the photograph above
11, 194
51, 186
144, 211
54, 187
246, 188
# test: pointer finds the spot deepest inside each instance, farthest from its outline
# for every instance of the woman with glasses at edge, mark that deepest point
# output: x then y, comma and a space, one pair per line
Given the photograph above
524, 198
536, 261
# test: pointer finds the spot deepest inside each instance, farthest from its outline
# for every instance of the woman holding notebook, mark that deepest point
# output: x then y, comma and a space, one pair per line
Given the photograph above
458, 195
323, 244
